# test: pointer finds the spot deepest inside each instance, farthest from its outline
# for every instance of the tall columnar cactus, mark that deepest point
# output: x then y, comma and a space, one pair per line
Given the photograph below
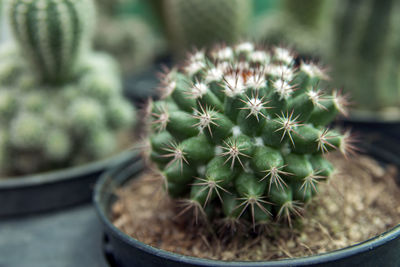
242, 132
52, 33
47, 125
366, 52
199, 23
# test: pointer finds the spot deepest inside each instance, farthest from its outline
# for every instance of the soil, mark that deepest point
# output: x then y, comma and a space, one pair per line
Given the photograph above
361, 201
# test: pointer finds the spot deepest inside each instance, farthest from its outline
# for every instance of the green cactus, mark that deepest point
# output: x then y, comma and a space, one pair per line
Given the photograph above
52, 34
366, 52
124, 31
74, 122
49, 125
302, 23
109, 6
199, 23
130, 40
305, 12
243, 131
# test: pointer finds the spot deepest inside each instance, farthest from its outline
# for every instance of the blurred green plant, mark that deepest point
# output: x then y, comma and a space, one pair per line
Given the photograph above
304, 24
60, 102
190, 24
365, 53
124, 31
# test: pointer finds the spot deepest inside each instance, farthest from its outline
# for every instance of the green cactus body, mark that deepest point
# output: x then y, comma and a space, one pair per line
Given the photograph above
59, 118
234, 130
366, 52
304, 24
52, 34
76, 121
199, 23
305, 12
130, 40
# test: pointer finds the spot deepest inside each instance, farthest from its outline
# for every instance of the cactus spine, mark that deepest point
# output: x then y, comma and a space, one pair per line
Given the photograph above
241, 133
52, 34
366, 52
70, 113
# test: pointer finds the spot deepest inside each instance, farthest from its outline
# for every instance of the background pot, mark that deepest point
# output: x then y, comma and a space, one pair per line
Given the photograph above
122, 250
139, 87
53, 190
376, 126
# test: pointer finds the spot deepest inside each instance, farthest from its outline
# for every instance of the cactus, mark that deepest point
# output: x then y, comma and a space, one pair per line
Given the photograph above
366, 54
202, 23
77, 121
71, 116
301, 23
109, 6
305, 12
52, 34
130, 40
126, 36
241, 132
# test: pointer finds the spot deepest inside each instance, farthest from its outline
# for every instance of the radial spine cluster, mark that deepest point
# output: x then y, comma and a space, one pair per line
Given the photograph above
240, 133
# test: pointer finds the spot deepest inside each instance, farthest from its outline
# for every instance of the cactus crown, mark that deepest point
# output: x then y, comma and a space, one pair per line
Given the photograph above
241, 132
52, 33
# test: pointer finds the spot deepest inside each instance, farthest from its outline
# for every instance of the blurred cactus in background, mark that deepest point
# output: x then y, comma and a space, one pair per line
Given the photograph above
60, 102
201, 23
52, 34
365, 53
243, 131
2, 25
109, 7
128, 37
304, 24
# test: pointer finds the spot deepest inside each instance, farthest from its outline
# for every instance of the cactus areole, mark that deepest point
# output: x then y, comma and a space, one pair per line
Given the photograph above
241, 132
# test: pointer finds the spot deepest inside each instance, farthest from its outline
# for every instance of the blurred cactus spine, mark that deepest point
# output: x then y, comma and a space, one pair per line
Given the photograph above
70, 109
243, 131
366, 52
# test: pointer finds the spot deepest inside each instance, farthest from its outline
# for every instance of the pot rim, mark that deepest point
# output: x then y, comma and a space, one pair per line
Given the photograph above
330, 256
69, 173
378, 117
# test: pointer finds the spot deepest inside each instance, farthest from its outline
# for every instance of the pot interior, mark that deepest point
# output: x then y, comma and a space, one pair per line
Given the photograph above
105, 197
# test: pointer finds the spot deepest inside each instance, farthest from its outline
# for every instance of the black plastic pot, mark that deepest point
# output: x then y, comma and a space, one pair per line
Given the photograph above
123, 251
53, 190
139, 87
376, 125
